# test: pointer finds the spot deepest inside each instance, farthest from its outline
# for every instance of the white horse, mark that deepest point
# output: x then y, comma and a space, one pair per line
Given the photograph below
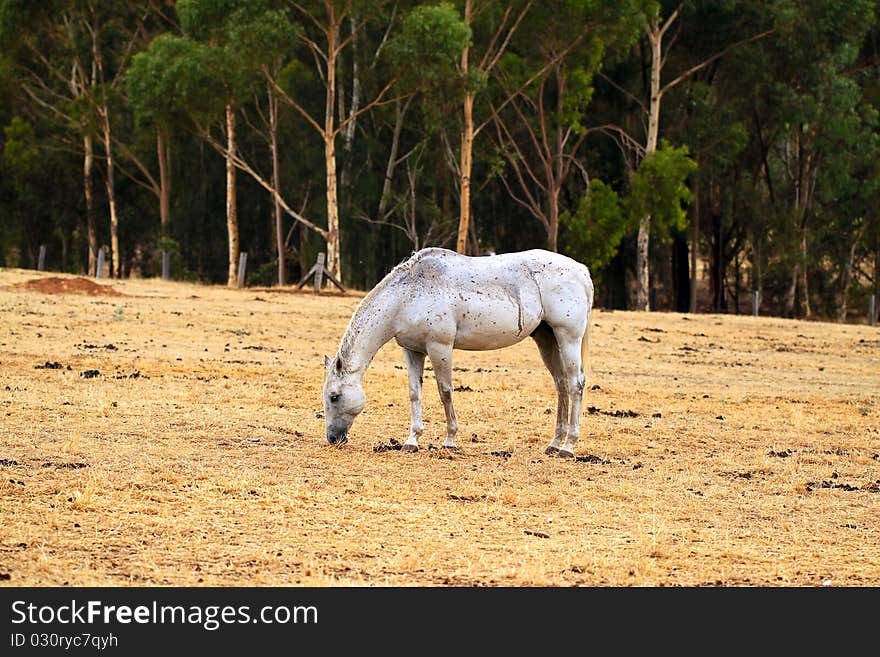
439, 300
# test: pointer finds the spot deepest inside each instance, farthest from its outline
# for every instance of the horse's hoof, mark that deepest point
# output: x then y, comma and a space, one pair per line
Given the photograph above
409, 447
451, 448
551, 450
565, 454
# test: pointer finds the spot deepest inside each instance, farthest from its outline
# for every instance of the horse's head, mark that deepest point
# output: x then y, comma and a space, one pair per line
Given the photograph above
344, 399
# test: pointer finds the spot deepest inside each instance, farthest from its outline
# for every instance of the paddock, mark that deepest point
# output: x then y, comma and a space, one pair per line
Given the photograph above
167, 433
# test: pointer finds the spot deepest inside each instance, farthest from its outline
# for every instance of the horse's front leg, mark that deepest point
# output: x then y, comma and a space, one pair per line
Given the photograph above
415, 366
441, 359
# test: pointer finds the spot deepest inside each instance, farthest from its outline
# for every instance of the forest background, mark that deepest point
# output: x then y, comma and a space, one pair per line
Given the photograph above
692, 154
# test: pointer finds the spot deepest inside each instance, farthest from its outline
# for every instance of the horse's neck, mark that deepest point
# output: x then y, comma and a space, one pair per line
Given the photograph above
371, 326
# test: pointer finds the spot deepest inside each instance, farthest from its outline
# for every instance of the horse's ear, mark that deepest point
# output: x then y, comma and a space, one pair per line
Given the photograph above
326, 362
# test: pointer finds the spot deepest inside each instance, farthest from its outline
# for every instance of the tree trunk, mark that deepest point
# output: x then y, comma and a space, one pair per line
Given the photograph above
681, 272
846, 278
791, 293
805, 288
111, 197
758, 269
304, 264
333, 246
656, 38
231, 206
385, 198
642, 264
695, 242
329, 134
276, 183
553, 221
88, 191
467, 145
718, 266
876, 279
348, 130
164, 157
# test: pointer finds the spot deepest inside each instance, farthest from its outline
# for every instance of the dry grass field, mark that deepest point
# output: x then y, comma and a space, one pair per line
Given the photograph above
170, 434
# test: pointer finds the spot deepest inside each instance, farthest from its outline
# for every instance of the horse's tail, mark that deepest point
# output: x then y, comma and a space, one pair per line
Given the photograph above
585, 340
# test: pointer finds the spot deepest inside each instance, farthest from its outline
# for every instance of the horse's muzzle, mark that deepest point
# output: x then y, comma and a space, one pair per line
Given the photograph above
337, 438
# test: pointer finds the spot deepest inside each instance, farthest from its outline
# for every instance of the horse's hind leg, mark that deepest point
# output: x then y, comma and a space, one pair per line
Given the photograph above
441, 359
415, 365
546, 341
573, 374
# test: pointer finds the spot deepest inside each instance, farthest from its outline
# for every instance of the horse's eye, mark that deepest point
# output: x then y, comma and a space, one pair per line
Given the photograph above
334, 398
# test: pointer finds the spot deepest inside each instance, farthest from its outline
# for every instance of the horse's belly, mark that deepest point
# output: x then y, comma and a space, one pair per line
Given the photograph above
495, 324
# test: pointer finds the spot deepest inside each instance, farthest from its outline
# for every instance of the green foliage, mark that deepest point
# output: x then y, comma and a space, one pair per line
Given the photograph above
204, 19
592, 234
658, 189
20, 150
793, 111
261, 35
426, 50
173, 78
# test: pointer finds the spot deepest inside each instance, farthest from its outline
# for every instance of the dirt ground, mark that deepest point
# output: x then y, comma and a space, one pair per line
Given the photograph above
162, 433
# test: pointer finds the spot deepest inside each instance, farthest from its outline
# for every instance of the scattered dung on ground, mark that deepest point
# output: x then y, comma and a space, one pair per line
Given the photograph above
197, 455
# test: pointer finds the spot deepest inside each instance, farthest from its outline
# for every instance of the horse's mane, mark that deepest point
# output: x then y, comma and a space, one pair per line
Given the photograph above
351, 332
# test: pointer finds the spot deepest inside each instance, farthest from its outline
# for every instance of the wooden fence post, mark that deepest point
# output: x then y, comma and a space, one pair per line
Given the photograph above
99, 268
872, 309
755, 300
319, 272
41, 259
166, 265
242, 263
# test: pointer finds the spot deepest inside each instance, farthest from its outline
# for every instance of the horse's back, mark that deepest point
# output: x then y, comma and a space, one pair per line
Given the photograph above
499, 299
434, 262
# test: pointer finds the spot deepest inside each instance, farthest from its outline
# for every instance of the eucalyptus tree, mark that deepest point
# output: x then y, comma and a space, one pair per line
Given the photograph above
812, 124
162, 102
206, 24
541, 118
660, 21
324, 36
423, 55
493, 25
69, 56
